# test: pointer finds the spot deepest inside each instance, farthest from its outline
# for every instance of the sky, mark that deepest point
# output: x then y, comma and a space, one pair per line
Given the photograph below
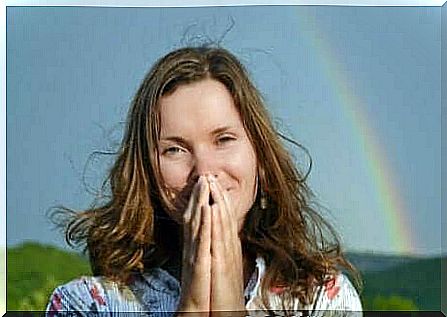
359, 87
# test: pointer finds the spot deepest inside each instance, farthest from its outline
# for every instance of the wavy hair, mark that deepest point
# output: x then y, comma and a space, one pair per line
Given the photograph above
130, 232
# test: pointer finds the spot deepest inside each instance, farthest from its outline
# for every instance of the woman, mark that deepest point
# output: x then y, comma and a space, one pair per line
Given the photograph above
207, 210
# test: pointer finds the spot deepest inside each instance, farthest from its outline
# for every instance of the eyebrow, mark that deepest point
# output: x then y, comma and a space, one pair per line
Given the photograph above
179, 139
222, 129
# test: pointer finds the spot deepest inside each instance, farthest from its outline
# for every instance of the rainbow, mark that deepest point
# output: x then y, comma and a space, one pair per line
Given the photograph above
389, 199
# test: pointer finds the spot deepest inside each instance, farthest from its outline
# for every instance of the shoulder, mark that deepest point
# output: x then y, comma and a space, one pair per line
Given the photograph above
91, 294
336, 294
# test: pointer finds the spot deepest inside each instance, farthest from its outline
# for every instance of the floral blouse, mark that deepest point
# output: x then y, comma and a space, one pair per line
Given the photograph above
157, 293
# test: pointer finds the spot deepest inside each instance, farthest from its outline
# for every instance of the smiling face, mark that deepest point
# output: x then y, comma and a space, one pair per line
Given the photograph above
202, 133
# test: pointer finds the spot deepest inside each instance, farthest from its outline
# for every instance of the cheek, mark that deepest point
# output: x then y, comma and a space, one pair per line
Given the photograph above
244, 167
174, 174
174, 177
244, 170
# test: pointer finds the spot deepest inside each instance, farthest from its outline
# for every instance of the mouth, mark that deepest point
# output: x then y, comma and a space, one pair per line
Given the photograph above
184, 195
211, 199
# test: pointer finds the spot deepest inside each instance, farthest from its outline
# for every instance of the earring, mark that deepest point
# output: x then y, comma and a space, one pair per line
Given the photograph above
263, 200
170, 193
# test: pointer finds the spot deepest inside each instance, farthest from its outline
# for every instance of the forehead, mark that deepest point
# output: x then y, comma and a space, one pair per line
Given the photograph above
198, 108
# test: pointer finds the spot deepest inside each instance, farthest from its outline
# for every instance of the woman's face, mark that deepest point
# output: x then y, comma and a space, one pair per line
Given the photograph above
202, 133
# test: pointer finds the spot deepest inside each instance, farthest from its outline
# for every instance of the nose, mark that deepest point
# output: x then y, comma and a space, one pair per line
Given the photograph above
205, 163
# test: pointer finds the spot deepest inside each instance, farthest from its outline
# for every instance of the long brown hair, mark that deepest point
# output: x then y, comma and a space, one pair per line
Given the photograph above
130, 231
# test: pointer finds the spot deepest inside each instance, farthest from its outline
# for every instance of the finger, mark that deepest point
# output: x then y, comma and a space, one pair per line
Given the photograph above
191, 203
201, 201
204, 236
228, 233
201, 266
217, 239
205, 192
186, 222
220, 198
216, 191
188, 234
224, 196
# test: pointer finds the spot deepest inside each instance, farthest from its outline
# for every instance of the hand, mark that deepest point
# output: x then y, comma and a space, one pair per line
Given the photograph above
212, 274
227, 286
196, 268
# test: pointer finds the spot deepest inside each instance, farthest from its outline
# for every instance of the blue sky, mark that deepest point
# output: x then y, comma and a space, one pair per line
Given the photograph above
71, 73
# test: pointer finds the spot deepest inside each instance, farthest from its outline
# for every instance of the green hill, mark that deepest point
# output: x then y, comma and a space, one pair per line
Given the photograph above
34, 270
418, 281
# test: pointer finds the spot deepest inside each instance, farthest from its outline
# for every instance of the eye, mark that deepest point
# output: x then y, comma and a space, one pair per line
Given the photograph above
225, 139
172, 150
